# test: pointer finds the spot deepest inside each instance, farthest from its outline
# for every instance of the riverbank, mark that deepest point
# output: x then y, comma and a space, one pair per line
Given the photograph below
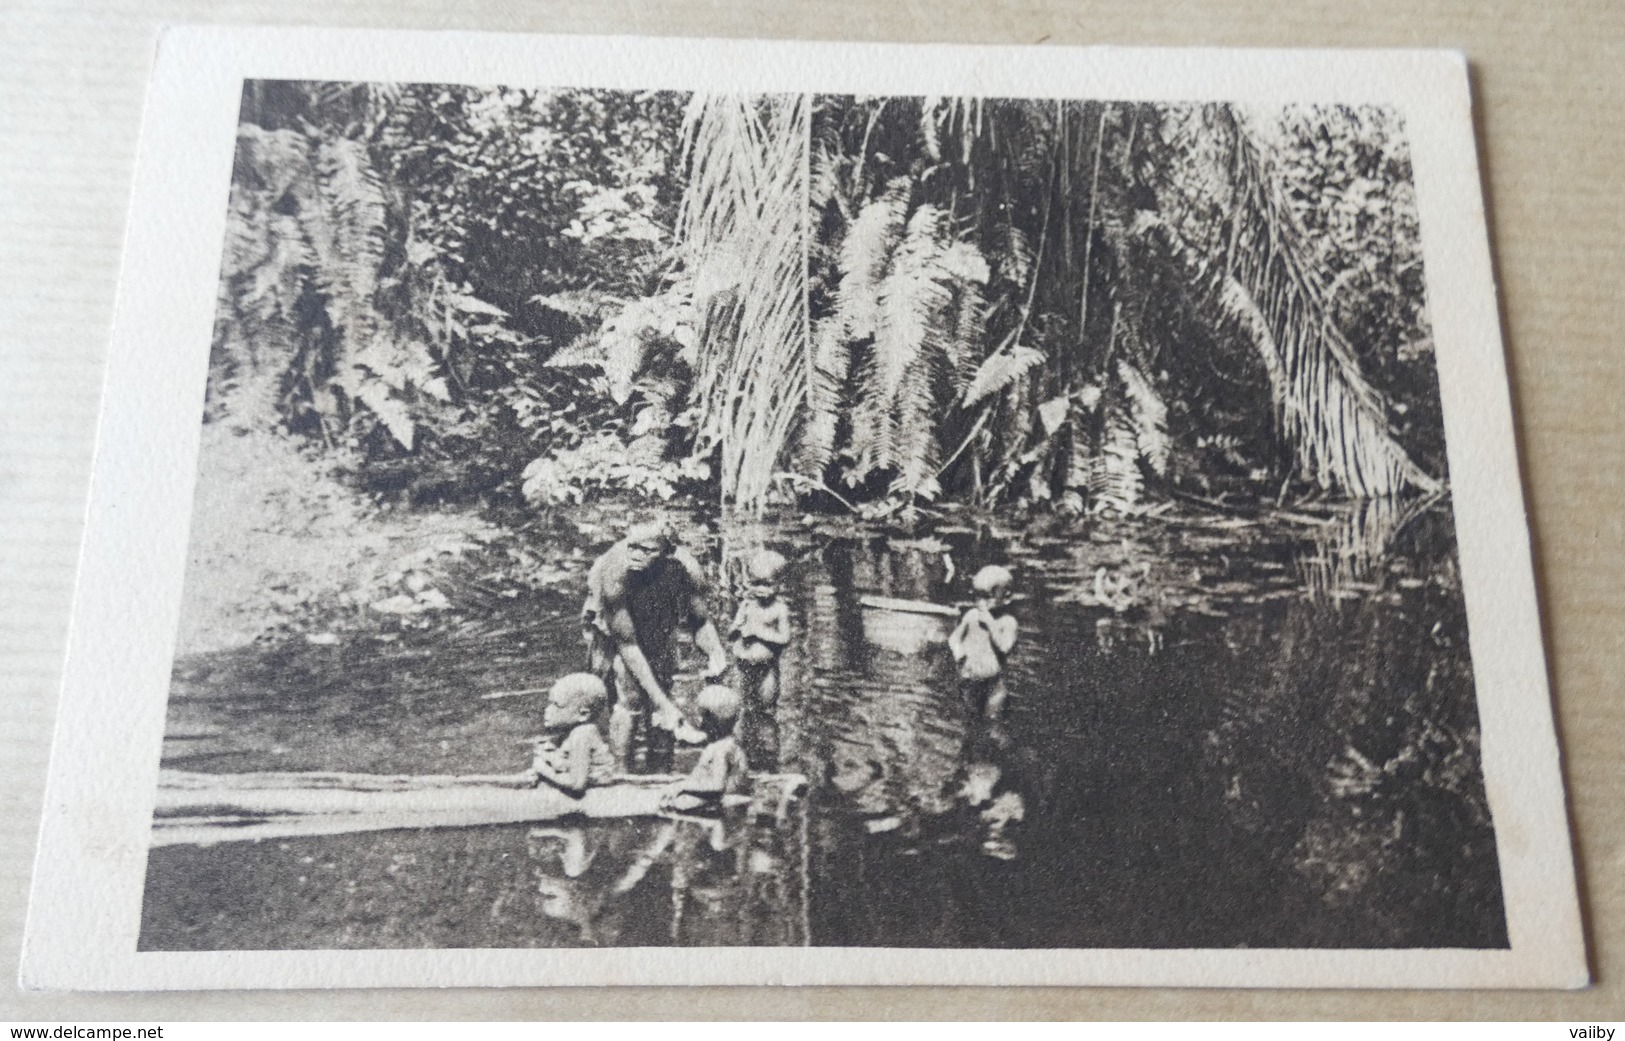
282, 549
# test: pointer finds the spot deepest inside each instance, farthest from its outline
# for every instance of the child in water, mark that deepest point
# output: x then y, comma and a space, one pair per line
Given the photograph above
722, 769
761, 628
982, 640
572, 754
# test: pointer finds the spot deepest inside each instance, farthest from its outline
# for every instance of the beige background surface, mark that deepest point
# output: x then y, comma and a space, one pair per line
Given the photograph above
1550, 90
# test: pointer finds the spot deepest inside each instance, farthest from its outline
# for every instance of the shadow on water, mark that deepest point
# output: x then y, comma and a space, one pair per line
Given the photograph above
1222, 732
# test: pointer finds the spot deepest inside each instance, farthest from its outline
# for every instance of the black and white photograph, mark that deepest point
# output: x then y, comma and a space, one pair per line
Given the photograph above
654, 518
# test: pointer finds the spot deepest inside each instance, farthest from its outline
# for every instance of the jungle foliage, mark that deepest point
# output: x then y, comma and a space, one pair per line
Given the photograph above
403, 263
458, 293
1023, 301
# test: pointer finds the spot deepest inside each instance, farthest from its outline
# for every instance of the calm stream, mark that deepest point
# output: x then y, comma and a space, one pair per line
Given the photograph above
1265, 737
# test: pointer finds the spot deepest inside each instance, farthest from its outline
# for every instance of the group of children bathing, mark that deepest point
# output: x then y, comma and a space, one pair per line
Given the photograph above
573, 754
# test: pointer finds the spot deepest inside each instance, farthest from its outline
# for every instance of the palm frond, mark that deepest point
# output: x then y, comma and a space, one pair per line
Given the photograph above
743, 233
1247, 262
1326, 409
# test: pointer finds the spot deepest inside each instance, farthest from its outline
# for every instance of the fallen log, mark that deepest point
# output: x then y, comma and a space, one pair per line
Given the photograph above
901, 606
204, 808
926, 607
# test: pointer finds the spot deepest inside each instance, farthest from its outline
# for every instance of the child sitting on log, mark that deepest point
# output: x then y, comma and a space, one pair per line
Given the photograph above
760, 628
982, 641
722, 769
572, 754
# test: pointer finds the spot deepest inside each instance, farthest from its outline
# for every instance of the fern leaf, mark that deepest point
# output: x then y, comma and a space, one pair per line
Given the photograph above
274, 162
914, 448
1053, 413
391, 411
584, 305
967, 336
866, 254
266, 271
1015, 255
831, 359
963, 261
930, 136
824, 177
473, 305
911, 295
999, 371
873, 421
1148, 416
1116, 481
352, 237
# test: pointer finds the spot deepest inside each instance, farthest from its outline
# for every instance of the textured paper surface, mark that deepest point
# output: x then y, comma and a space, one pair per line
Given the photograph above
93, 844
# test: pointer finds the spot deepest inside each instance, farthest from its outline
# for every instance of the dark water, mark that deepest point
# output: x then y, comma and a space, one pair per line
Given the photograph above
1265, 736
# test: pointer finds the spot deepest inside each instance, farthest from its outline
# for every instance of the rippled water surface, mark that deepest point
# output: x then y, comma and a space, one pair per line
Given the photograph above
1222, 732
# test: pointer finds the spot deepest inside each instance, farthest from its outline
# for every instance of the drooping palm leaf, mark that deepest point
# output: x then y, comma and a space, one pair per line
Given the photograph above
743, 234
907, 295
1326, 409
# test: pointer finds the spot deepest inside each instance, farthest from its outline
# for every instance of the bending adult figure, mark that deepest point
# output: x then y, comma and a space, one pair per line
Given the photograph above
639, 593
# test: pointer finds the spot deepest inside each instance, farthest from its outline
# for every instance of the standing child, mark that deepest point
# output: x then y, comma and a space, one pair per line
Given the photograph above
982, 640
722, 769
760, 628
572, 755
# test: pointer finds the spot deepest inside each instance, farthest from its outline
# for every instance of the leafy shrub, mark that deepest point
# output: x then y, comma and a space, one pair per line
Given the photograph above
602, 465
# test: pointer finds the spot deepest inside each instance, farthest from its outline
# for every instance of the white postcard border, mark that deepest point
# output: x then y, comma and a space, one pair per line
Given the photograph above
85, 910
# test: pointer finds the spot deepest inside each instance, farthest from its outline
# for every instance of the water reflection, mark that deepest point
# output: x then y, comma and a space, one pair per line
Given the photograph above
732, 881
652, 881
1173, 767
1354, 543
1222, 731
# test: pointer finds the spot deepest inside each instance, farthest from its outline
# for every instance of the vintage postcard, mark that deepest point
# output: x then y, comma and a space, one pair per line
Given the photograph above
609, 511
